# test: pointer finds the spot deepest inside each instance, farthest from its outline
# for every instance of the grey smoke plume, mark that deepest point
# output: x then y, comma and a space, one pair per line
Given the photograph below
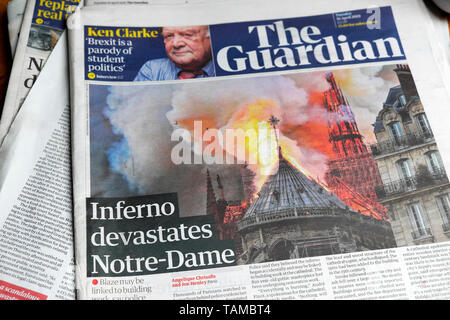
366, 89
146, 115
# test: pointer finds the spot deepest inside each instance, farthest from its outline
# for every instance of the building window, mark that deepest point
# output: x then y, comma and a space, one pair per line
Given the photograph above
392, 214
423, 124
402, 100
396, 131
444, 207
405, 169
418, 221
434, 161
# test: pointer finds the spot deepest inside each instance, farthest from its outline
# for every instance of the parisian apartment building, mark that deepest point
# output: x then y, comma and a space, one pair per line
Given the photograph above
415, 188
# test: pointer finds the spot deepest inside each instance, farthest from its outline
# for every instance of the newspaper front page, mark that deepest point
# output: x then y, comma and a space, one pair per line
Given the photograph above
36, 236
42, 26
276, 151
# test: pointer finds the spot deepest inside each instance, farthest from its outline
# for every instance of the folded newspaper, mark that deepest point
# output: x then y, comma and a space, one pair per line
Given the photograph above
15, 11
43, 23
36, 238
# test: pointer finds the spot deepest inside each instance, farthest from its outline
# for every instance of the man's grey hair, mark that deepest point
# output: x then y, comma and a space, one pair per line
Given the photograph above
160, 31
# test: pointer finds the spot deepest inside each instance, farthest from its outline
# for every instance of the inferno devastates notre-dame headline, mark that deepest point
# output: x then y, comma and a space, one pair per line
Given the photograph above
102, 236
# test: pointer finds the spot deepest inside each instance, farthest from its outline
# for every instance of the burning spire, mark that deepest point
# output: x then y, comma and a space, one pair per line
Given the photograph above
342, 128
353, 173
274, 122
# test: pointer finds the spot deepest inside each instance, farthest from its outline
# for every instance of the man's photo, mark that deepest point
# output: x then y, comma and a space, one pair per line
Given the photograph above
188, 52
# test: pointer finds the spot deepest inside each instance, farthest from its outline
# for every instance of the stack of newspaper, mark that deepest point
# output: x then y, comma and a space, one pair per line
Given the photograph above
225, 150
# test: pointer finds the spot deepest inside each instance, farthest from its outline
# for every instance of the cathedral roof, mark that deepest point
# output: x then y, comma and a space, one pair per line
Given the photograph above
289, 188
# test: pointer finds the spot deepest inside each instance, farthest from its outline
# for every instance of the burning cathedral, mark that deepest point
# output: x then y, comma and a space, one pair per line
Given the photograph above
294, 216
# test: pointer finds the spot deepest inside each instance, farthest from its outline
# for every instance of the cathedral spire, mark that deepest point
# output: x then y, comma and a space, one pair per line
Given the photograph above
211, 202
274, 122
342, 128
220, 186
352, 171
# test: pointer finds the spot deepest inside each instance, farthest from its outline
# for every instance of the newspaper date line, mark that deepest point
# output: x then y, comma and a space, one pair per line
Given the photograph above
228, 309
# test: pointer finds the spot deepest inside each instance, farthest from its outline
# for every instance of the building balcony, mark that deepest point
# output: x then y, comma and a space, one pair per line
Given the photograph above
421, 234
411, 184
402, 142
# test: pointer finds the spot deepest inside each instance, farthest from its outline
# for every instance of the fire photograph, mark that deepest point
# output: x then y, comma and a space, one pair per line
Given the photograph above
290, 166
